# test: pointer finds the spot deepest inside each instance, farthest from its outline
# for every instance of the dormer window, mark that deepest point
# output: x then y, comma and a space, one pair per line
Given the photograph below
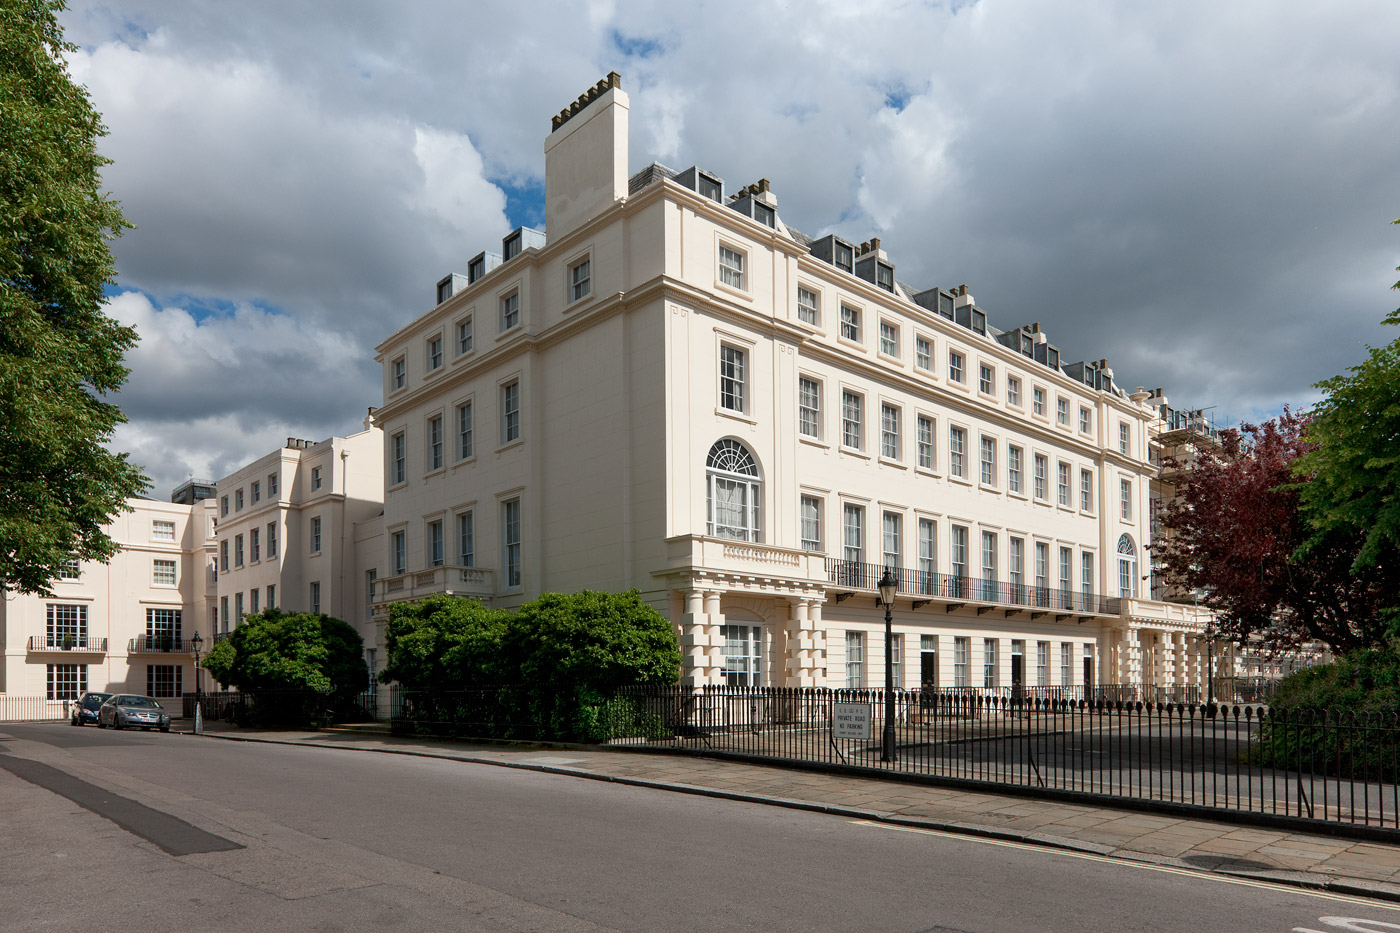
476, 269
884, 276
765, 215
945, 305
845, 257
710, 188
511, 246
444, 290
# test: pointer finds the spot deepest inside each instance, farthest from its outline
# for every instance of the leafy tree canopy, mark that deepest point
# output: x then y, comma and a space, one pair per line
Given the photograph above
1234, 530
273, 651
59, 353
601, 640
1353, 466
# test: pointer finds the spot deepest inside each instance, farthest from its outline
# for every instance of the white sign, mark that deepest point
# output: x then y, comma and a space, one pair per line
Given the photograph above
850, 720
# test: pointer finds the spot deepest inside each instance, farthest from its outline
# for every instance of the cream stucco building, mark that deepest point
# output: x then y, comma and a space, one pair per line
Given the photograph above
677, 392
122, 626
287, 531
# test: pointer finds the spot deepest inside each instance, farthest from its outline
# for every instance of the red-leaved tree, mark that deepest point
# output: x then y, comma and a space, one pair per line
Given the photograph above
1232, 533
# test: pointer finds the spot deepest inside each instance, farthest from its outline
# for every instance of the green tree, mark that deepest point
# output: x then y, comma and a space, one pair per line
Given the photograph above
274, 655
1352, 472
556, 663
445, 643
59, 353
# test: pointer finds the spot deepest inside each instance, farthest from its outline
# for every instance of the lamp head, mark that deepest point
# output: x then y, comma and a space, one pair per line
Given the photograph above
888, 586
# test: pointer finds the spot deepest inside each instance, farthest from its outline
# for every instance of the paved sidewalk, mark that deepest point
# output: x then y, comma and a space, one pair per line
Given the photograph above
1317, 861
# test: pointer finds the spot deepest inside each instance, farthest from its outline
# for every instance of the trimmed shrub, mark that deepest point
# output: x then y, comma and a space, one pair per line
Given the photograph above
562, 657
299, 667
1340, 719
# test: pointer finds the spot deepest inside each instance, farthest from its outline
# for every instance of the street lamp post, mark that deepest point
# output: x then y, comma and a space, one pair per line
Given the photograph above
888, 585
198, 694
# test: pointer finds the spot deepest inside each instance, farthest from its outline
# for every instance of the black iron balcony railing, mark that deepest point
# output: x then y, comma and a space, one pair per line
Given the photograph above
159, 644
949, 587
66, 643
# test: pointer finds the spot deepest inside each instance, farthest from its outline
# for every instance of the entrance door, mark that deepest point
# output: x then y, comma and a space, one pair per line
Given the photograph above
1018, 668
928, 669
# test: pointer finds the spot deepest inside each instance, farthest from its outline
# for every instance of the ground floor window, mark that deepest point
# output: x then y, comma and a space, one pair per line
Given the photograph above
164, 680
989, 662
855, 659
66, 681
962, 647
743, 655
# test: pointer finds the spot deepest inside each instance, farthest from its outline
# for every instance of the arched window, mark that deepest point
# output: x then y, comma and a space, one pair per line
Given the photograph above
733, 491
1127, 567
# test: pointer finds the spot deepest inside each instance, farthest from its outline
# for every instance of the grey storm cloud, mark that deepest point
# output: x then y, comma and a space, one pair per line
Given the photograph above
1198, 192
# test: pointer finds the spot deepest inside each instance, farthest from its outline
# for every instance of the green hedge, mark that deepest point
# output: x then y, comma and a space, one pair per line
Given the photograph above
565, 655
1341, 719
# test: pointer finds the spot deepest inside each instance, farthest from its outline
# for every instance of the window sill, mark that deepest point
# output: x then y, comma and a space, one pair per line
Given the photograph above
854, 452
988, 487
509, 332
890, 359
465, 461
438, 472
960, 480
926, 471
742, 293
1017, 495
988, 397
813, 442
853, 344
735, 415
578, 303
510, 445
890, 462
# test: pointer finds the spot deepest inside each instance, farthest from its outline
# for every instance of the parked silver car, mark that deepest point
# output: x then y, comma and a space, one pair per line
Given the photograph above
86, 706
128, 709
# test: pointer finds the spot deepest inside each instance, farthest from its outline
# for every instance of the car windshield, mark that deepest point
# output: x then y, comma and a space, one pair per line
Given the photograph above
142, 702
94, 700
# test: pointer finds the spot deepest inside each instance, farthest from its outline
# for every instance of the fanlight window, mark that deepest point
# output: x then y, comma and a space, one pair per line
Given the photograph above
733, 491
1127, 567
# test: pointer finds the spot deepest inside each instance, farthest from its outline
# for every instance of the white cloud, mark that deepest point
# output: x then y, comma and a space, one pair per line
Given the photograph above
1198, 191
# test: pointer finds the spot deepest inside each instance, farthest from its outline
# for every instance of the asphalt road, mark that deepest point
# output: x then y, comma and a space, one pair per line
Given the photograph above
283, 838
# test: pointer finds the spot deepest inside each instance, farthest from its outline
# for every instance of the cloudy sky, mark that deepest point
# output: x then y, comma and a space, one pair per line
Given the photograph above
1198, 191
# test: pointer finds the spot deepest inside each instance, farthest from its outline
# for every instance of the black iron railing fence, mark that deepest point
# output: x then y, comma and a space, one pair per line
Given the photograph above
160, 644
66, 643
1313, 766
960, 588
284, 707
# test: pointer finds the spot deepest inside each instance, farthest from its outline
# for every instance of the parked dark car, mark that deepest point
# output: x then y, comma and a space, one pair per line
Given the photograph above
129, 709
85, 707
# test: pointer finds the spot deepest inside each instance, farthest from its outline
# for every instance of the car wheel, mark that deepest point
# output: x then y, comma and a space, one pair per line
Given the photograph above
164, 728
72, 722
101, 724
116, 723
